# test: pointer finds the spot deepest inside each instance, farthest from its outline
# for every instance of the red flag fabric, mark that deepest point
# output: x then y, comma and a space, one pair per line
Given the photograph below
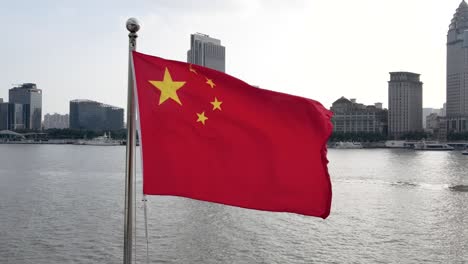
208, 136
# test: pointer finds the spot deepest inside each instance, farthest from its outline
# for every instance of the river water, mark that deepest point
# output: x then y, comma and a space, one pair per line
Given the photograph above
64, 204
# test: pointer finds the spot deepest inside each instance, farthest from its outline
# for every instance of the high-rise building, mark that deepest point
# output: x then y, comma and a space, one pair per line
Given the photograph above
457, 70
427, 111
4, 124
11, 116
91, 115
443, 110
404, 103
30, 97
56, 121
432, 121
206, 51
352, 117
436, 125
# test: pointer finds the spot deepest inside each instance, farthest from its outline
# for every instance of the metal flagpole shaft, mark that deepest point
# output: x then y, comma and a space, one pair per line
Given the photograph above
133, 27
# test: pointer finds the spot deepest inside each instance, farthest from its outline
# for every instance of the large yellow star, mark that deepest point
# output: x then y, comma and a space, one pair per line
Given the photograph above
210, 83
202, 118
168, 88
216, 104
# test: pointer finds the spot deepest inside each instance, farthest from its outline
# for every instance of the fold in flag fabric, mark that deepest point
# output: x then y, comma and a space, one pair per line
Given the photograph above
208, 136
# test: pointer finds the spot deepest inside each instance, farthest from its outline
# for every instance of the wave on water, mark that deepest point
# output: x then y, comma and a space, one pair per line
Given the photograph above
454, 188
459, 188
410, 184
403, 183
428, 186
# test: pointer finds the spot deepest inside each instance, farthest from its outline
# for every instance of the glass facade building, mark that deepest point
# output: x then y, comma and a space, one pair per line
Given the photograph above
30, 97
91, 115
11, 116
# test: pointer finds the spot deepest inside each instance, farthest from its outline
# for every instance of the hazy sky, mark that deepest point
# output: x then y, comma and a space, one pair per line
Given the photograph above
319, 49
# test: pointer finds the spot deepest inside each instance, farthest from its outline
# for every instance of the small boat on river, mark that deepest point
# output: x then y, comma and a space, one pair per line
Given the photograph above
346, 145
104, 140
432, 146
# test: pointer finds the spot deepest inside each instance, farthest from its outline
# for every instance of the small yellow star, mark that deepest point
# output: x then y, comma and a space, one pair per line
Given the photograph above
216, 104
210, 82
192, 69
202, 118
168, 88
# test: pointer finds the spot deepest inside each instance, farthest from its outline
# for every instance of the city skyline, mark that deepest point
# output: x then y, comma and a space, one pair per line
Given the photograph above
295, 47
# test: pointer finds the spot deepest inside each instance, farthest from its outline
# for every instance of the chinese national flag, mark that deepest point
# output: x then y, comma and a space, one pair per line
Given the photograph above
209, 136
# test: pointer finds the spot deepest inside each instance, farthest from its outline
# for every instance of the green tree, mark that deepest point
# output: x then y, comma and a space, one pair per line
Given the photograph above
457, 136
358, 137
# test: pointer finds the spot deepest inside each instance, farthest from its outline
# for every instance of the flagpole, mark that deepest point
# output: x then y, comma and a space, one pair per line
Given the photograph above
132, 26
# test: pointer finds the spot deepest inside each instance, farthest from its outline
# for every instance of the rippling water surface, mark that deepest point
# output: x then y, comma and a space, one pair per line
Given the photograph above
64, 204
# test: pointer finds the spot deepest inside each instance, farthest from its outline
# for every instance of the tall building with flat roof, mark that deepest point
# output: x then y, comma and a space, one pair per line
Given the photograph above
457, 71
3, 116
92, 115
30, 97
206, 51
11, 116
404, 103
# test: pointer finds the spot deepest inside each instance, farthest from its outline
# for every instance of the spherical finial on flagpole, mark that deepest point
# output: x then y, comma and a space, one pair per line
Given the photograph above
132, 25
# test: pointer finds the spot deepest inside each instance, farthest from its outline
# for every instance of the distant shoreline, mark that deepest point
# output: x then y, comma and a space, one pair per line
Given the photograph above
49, 142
